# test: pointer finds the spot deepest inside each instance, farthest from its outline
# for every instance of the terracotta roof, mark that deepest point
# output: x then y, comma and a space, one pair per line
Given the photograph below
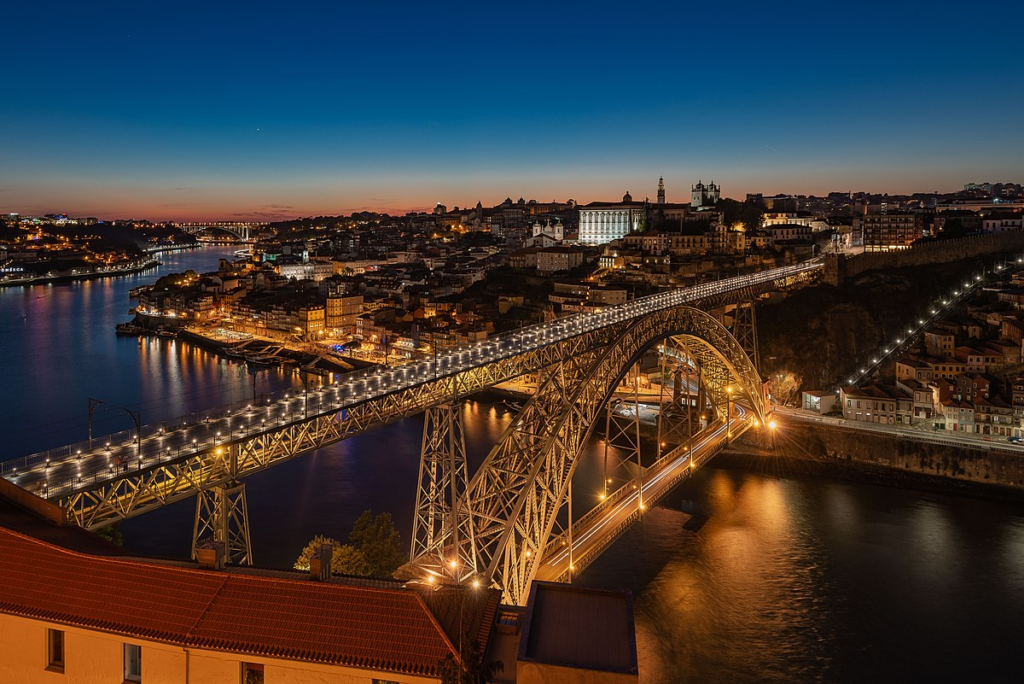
355, 626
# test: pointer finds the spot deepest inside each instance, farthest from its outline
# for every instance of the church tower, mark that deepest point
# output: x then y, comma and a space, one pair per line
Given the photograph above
661, 190
697, 194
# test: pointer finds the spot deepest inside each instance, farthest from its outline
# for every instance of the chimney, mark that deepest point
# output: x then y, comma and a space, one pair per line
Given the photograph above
211, 555
320, 563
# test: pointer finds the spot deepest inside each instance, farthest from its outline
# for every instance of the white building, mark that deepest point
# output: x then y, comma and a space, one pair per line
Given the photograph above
602, 222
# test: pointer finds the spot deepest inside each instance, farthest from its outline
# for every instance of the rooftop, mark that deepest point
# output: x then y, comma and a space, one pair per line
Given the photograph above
48, 572
582, 628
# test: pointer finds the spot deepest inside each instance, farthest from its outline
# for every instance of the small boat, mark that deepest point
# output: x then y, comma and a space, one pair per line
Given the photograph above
262, 360
129, 329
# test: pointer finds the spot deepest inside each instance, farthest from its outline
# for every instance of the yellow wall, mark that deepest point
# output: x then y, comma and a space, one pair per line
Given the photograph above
92, 657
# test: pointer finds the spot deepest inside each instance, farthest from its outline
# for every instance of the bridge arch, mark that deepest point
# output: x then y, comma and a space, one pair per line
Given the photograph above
510, 506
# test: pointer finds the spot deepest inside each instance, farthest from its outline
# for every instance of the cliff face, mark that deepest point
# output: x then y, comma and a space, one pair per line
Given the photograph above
821, 334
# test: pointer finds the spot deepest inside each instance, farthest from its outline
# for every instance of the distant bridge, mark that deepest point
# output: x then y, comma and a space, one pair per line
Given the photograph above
240, 229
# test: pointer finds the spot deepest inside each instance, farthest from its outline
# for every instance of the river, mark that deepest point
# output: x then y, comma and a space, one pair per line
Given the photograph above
790, 579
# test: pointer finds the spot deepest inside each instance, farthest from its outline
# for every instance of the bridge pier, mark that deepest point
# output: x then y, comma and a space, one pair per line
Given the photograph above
744, 329
222, 514
622, 441
441, 513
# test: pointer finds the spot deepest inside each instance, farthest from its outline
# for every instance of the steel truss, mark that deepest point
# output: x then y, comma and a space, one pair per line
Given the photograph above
744, 329
441, 487
622, 443
161, 482
676, 418
223, 516
518, 491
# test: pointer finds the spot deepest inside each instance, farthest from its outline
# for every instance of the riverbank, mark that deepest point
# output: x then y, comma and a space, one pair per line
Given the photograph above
175, 248
69, 276
303, 361
750, 455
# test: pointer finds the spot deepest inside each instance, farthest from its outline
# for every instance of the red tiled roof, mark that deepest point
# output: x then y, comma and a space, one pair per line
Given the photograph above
331, 623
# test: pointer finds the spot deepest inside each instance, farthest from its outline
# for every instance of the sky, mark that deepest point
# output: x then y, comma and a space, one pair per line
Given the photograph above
218, 110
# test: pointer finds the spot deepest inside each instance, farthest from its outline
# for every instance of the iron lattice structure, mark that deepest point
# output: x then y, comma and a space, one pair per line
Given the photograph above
744, 329
441, 488
222, 515
521, 486
331, 418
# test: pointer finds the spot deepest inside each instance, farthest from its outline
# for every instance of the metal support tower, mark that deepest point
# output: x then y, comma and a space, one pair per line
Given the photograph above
222, 513
622, 444
744, 329
442, 510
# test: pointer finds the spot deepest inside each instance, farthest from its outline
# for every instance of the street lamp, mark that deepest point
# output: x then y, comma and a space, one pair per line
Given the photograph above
728, 414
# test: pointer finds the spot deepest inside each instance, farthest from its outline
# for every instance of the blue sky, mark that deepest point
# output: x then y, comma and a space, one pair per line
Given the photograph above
193, 111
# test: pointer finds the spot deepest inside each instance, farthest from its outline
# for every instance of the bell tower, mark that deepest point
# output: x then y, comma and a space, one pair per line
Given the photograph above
661, 190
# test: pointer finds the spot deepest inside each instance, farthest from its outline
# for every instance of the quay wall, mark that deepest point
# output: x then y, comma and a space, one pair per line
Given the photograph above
841, 267
968, 464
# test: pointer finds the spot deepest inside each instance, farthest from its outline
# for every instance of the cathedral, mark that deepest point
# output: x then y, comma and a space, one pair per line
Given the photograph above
704, 195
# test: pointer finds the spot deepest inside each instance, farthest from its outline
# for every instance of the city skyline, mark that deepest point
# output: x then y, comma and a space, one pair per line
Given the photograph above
223, 113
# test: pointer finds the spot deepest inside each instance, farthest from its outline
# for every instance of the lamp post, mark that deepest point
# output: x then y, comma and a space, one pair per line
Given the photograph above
728, 414
93, 403
137, 417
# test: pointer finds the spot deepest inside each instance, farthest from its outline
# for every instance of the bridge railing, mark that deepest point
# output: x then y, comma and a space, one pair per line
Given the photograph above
620, 493
583, 560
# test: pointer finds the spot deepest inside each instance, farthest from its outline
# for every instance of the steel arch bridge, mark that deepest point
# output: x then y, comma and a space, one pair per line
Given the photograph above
120, 476
240, 230
504, 517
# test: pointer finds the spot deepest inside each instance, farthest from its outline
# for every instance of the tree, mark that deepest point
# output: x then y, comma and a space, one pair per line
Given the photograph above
471, 670
345, 559
379, 542
112, 533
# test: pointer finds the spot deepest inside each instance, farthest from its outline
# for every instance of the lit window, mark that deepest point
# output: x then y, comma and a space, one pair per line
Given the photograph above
55, 650
132, 663
252, 673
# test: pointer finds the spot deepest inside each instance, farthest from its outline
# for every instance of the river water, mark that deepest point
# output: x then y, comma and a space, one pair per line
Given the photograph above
789, 580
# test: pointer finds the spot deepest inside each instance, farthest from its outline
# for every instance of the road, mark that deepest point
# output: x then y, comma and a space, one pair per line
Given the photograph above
601, 526
955, 439
75, 467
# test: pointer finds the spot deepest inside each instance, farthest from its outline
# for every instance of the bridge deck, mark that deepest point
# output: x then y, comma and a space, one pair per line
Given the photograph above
76, 468
595, 531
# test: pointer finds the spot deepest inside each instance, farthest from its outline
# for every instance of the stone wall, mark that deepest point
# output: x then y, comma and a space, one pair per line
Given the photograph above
968, 464
841, 267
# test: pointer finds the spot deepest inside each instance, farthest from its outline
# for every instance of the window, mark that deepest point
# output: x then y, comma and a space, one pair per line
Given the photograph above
384, 681
55, 650
252, 673
132, 663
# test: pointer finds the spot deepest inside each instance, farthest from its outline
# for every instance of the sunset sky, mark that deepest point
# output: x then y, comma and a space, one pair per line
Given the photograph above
210, 111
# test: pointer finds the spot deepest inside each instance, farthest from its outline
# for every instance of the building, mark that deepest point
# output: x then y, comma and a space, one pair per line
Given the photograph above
871, 404
1001, 222
818, 401
602, 222
554, 259
704, 196
887, 231
341, 313
939, 343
